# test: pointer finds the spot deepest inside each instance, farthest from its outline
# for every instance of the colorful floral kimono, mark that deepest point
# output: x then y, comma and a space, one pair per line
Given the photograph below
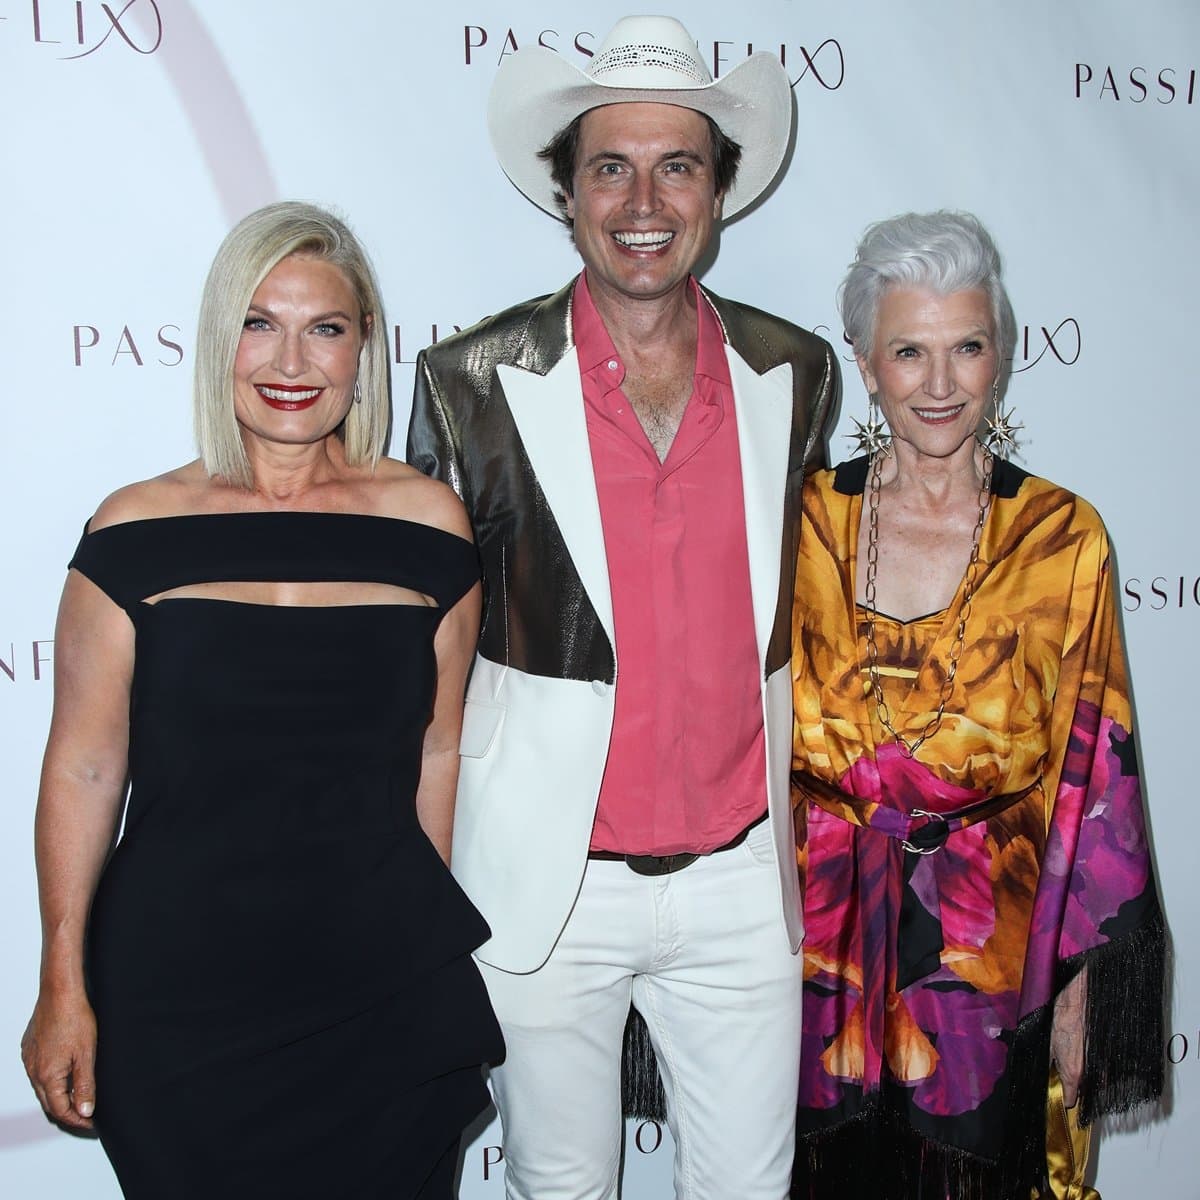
950, 897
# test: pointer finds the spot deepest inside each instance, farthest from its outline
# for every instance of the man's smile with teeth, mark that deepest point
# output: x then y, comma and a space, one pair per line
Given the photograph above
651, 239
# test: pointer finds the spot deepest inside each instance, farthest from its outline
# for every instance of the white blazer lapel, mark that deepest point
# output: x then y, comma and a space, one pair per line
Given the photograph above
549, 414
763, 404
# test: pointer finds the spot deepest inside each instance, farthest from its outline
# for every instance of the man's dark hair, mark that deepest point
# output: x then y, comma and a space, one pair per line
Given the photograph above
562, 150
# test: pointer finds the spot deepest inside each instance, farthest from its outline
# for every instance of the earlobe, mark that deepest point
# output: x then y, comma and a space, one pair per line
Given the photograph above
718, 205
570, 207
868, 377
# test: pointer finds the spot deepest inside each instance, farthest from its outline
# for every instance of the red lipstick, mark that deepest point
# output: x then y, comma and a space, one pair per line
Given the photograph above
288, 397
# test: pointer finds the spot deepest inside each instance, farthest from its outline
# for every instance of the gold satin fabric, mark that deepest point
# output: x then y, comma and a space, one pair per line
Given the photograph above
1068, 1145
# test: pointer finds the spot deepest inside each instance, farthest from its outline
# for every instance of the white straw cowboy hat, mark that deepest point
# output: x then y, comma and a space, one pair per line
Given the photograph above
537, 93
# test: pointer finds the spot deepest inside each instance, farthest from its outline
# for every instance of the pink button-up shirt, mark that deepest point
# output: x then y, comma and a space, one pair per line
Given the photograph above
686, 768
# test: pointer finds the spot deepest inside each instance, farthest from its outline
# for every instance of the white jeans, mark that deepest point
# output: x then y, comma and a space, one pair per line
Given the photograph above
704, 957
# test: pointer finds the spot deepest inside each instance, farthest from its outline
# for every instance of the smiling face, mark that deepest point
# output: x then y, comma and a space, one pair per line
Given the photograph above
933, 366
297, 358
645, 199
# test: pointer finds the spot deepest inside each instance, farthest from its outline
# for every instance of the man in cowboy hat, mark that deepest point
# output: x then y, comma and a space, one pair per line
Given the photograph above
630, 450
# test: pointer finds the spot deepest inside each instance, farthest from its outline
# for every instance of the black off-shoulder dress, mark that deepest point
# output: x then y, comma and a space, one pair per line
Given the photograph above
279, 962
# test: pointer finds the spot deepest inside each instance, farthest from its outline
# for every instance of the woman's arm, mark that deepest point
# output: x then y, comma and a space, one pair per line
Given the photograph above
454, 645
79, 804
431, 502
1108, 1032
1068, 1035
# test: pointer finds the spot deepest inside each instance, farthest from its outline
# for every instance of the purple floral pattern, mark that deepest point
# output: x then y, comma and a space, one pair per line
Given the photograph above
1039, 714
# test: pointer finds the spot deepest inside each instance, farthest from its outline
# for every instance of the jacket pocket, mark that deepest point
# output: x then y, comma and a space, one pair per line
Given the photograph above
482, 720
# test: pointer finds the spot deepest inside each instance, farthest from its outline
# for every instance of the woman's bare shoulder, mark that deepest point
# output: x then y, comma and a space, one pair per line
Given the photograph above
171, 494
407, 494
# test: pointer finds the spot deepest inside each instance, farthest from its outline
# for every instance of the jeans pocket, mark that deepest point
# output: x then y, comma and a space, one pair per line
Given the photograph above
759, 844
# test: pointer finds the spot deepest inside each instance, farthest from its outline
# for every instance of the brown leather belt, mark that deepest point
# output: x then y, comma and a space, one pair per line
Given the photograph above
668, 864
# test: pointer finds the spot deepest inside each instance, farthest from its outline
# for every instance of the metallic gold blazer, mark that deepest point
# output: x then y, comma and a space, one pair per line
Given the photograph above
498, 414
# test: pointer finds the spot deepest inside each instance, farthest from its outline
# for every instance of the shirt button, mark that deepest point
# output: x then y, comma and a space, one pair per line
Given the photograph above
613, 364
599, 687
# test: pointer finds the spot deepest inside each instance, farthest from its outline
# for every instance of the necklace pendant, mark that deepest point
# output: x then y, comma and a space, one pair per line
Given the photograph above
967, 589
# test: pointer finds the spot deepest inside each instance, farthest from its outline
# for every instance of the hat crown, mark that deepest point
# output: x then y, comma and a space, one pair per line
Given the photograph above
649, 52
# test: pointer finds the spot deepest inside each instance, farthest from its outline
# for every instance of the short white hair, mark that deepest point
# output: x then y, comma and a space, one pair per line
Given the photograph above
942, 251
253, 248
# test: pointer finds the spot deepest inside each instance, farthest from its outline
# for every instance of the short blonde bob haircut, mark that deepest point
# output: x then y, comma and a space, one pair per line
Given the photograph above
253, 248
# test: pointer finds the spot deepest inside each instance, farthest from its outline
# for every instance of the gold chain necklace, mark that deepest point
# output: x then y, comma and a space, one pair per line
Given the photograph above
968, 590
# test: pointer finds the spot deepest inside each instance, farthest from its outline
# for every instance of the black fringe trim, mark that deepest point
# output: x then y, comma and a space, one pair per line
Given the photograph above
1125, 1022
642, 1095
878, 1155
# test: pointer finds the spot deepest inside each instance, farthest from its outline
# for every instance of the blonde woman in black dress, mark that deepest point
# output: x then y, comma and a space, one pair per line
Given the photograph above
266, 988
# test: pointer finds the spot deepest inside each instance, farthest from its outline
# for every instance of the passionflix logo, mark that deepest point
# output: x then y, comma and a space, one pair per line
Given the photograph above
646, 1137
1176, 591
1105, 83
1183, 1048
415, 338
1061, 343
80, 28
819, 63
110, 344
26, 661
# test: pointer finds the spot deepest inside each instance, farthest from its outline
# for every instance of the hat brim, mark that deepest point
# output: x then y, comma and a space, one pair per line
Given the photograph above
537, 93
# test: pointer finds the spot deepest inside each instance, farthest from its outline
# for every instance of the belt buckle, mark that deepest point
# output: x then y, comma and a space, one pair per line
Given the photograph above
658, 864
941, 835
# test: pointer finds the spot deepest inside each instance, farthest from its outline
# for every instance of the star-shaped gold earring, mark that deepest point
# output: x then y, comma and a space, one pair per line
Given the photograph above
871, 437
1002, 431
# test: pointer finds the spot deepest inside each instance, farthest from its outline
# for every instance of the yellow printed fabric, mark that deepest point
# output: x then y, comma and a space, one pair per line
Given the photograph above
930, 977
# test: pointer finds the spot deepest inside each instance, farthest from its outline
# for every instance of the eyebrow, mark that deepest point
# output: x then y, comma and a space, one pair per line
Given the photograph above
668, 156
337, 312
980, 332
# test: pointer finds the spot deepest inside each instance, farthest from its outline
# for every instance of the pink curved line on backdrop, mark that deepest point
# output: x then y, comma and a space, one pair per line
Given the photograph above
24, 1128
237, 163
209, 97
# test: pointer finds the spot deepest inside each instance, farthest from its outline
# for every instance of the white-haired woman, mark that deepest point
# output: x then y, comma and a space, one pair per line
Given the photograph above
266, 988
984, 946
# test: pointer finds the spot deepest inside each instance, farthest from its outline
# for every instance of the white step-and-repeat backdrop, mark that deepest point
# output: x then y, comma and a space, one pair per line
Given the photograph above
135, 132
